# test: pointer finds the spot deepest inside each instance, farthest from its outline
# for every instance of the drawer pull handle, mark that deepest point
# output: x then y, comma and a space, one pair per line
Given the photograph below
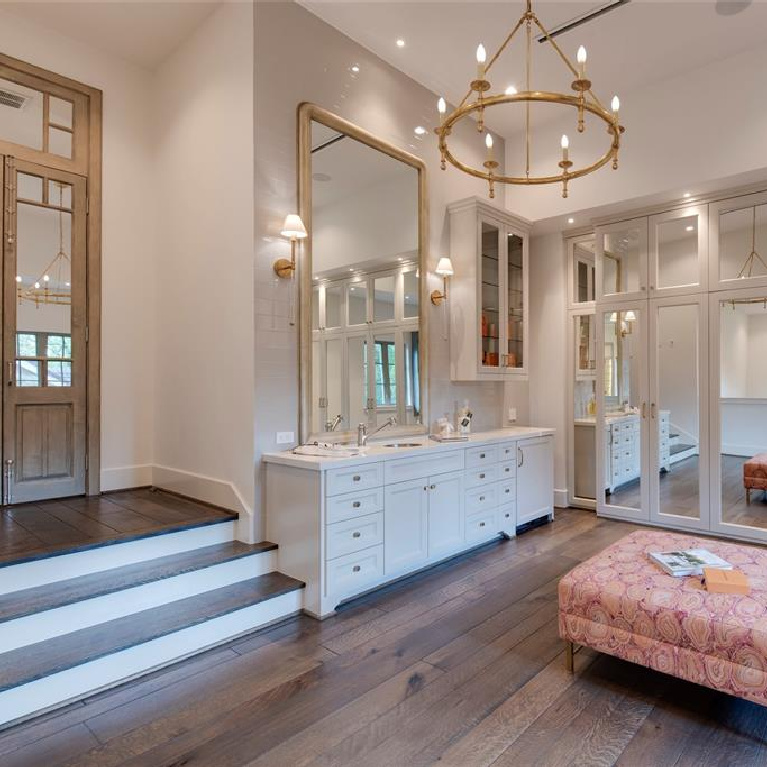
481, 497
481, 455
356, 505
482, 476
356, 569
432, 487
356, 535
481, 524
356, 478
506, 515
508, 490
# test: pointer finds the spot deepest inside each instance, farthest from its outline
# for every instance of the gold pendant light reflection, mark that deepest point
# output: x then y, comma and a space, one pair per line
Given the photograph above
582, 101
58, 271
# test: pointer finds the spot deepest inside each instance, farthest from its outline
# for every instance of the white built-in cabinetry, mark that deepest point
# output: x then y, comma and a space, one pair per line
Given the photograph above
346, 526
488, 302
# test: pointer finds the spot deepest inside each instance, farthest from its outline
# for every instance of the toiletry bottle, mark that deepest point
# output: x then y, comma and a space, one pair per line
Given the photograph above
464, 423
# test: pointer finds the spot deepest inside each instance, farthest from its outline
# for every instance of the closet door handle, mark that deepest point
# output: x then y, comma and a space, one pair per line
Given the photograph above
644, 410
652, 410
356, 505
10, 374
521, 459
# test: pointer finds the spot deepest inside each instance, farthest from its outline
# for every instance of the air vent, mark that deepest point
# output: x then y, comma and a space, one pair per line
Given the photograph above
11, 99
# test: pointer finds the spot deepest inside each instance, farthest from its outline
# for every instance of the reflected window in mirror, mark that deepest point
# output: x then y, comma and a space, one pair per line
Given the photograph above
366, 275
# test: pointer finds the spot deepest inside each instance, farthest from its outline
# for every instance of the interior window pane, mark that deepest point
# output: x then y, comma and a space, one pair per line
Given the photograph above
21, 115
59, 373
411, 293
383, 306
60, 194
60, 142
29, 187
26, 345
27, 373
60, 112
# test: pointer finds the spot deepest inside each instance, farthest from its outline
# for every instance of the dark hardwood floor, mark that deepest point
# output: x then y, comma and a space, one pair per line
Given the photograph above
461, 665
30, 531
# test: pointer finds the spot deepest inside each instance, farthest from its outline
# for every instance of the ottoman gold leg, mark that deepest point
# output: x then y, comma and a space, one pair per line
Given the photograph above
748, 496
569, 653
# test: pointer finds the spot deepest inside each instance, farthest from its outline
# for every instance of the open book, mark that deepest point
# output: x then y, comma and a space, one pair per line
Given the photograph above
690, 562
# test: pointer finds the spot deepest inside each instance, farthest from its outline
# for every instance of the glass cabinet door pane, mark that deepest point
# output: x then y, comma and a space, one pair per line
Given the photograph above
742, 233
358, 303
584, 271
623, 258
315, 308
515, 302
677, 252
333, 306
385, 376
410, 294
383, 298
412, 390
490, 294
743, 410
357, 347
584, 415
334, 366
586, 348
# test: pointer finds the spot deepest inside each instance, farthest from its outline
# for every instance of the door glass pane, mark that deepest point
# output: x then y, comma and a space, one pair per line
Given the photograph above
385, 377
584, 271
315, 308
412, 390
743, 411
358, 303
334, 380
516, 303
743, 242
491, 298
620, 379
29, 187
383, 305
411, 293
584, 409
358, 381
319, 411
60, 142
622, 259
333, 298
21, 115
60, 112
43, 291
678, 415
677, 252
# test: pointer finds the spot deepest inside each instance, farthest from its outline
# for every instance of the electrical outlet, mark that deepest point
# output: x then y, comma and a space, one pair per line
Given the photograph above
285, 437
512, 415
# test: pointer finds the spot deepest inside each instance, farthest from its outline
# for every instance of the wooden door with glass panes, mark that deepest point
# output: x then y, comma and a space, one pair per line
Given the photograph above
44, 332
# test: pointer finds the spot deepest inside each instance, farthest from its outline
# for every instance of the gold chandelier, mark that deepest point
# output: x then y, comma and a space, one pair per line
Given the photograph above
39, 291
583, 100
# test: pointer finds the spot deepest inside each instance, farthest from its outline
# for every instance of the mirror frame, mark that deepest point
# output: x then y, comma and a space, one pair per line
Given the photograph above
307, 114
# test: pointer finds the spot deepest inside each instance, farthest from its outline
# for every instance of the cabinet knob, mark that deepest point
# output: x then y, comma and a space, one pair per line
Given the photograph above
481, 455
481, 497
356, 535
507, 491
482, 476
356, 505
432, 487
356, 478
481, 524
356, 569
507, 515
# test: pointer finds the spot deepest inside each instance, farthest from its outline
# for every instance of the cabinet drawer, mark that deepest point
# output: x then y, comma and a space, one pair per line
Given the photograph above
353, 505
353, 573
481, 456
353, 535
345, 480
479, 499
508, 469
507, 451
507, 491
481, 526
507, 519
481, 477
427, 466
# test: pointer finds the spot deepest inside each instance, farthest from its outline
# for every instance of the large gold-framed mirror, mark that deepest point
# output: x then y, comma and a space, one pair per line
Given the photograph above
363, 322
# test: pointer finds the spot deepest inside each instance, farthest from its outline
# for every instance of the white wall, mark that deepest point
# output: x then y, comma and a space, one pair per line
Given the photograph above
203, 101
127, 359
313, 61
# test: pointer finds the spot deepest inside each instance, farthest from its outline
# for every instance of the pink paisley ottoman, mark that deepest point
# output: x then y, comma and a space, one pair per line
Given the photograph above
755, 474
620, 603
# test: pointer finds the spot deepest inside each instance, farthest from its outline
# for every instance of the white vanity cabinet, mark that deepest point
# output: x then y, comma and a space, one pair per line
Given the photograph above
488, 301
347, 525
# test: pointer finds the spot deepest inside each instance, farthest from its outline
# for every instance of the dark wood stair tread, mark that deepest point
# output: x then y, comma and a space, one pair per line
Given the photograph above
676, 449
36, 661
18, 604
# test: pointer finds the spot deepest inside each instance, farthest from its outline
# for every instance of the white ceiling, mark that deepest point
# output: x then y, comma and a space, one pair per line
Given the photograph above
631, 47
144, 33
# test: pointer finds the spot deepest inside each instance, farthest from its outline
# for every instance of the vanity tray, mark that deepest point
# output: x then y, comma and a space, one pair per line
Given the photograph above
451, 438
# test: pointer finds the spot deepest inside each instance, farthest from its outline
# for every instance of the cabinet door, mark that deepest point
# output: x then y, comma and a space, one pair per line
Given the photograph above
679, 252
515, 282
535, 479
405, 526
621, 251
445, 515
490, 295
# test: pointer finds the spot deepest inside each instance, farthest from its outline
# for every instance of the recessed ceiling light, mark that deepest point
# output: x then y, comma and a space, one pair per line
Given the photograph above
690, 228
419, 130
351, 270
400, 43
355, 68
570, 220
686, 195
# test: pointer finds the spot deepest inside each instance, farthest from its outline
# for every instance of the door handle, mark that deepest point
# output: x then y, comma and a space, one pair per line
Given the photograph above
644, 410
652, 410
10, 374
521, 461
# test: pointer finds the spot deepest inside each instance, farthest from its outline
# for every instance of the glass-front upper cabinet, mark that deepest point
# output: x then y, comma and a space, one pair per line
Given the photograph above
679, 251
738, 242
621, 255
487, 297
583, 270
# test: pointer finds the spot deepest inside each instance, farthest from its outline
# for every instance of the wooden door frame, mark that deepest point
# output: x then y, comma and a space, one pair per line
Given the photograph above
88, 164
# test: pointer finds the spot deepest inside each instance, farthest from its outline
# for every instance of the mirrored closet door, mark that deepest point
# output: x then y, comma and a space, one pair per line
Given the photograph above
678, 252
621, 260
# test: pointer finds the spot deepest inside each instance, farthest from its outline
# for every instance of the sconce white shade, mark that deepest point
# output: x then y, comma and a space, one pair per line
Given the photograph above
630, 316
293, 227
444, 267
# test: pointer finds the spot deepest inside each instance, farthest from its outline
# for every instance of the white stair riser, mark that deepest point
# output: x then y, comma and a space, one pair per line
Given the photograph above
65, 686
91, 612
27, 575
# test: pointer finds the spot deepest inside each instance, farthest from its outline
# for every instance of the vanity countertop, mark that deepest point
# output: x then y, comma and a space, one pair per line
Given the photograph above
377, 451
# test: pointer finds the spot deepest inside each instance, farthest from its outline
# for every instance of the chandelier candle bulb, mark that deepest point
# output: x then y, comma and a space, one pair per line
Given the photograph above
565, 147
489, 145
581, 57
615, 105
441, 106
481, 59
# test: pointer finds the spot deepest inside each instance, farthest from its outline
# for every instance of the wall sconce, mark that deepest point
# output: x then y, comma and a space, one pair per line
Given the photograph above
445, 269
294, 230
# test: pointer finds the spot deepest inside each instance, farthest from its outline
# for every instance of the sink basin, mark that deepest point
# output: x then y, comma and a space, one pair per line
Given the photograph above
403, 444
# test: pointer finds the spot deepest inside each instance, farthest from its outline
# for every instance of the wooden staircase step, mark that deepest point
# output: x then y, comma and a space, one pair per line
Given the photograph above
40, 660
676, 449
19, 604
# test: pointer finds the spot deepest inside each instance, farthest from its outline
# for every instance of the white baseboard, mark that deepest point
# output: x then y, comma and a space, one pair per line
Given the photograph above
126, 477
746, 451
561, 499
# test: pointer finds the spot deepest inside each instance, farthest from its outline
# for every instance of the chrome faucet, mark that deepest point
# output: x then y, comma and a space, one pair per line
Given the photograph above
362, 430
333, 425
